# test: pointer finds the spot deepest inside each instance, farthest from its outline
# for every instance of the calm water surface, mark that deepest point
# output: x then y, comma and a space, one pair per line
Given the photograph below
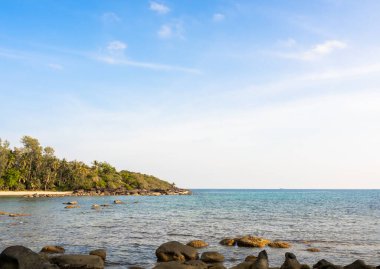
344, 224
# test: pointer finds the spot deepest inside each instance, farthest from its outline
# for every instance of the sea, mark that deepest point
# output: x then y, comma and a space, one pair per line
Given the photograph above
343, 224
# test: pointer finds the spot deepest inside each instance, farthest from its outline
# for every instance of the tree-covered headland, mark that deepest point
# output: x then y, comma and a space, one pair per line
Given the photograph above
34, 167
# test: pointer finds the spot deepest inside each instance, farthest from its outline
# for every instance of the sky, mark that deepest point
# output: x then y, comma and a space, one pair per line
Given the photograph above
206, 94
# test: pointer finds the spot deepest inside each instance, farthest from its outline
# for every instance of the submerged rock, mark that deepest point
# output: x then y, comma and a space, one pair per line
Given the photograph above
99, 252
279, 244
197, 244
313, 250
78, 261
227, 242
71, 203
52, 249
175, 251
118, 202
19, 257
212, 257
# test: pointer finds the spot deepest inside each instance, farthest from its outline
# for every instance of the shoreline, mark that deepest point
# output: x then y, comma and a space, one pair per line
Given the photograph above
95, 192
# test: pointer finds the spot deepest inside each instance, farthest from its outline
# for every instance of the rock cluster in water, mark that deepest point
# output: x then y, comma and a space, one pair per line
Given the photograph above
170, 255
116, 192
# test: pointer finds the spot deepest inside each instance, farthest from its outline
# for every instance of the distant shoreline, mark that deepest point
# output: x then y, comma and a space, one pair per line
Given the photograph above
24, 193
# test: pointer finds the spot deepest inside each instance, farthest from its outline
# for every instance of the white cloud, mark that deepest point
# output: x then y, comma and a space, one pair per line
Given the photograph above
109, 17
159, 8
317, 51
55, 66
217, 17
116, 46
165, 31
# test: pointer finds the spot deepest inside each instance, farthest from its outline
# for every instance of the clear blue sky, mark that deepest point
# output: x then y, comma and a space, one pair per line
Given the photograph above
222, 94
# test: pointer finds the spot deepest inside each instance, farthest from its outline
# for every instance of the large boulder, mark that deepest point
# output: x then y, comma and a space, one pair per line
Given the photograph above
99, 252
175, 251
290, 262
358, 264
78, 261
212, 256
19, 257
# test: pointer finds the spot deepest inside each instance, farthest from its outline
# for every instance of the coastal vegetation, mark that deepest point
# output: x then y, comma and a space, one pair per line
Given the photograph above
34, 167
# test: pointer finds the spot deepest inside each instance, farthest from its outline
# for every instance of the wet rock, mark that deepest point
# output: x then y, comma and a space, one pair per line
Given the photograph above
252, 241
197, 263
250, 258
197, 244
95, 206
118, 202
227, 242
261, 262
71, 203
279, 244
175, 251
212, 256
72, 206
18, 215
99, 252
19, 257
174, 265
290, 262
78, 261
52, 249
358, 264
216, 266
323, 264
313, 250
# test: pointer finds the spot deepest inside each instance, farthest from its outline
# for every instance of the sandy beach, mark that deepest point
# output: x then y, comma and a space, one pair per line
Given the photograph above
24, 193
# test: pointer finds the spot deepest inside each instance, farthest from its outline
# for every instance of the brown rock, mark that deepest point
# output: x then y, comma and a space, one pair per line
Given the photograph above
175, 251
313, 250
72, 206
212, 256
99, 252
118, 202
52, 249
250, 258
197, 244
252, 241
227, 242
78, 261
279, 244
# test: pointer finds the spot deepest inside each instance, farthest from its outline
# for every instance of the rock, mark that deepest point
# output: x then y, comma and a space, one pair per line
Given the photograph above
216, 266
252, 241
197, 244
199, 264
18, 215
72, 206
279, 244
99, 252
52, 249
358, 264
19, 257
105, 205
71, 203
175, 251
323, 264
212, 256
227, 242
78, 261
118, 202
250, 258
313, 250
95, 206
174, 265
290, 262
261, 262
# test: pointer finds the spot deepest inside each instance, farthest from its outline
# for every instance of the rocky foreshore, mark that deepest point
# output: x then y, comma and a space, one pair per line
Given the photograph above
170, 255
114, 192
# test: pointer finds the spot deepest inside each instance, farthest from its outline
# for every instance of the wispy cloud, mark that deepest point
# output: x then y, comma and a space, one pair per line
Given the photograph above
159, 8
170, 30
116, 46
217, 17
55, 66
110, 17
315, 52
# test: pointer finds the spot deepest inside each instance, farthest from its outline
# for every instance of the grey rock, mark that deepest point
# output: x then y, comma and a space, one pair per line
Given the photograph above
175, 251
78, 261
212, 256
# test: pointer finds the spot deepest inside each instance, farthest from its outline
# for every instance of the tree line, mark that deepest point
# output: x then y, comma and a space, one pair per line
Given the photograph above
33, 167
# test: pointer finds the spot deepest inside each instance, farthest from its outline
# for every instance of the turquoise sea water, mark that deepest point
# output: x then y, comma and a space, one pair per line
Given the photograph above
344, 224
